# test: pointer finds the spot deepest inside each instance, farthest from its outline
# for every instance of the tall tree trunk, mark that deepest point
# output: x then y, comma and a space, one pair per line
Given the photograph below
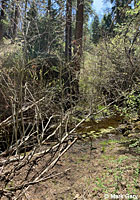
2, 17
16, 18
67, 73
12, 11
25, 29
49, 5
68, 32
78, 44
49, 14
117, 5
25, 18
79, 32
71, 77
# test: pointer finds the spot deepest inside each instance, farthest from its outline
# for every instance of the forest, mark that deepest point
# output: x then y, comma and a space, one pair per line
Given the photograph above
69, 100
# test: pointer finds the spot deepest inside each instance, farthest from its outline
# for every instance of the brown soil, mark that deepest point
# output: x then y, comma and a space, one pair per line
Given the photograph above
92, 172
108, 169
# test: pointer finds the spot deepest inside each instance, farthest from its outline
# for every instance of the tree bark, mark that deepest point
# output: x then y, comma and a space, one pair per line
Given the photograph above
78, 45
72, 70
68, 32
49, 14
49, 5
12, 8
16, 18
2, 17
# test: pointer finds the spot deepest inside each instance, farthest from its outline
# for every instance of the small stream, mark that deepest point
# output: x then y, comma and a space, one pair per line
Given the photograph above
106, 127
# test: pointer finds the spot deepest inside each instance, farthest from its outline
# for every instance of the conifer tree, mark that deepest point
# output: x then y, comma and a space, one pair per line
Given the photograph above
96, 30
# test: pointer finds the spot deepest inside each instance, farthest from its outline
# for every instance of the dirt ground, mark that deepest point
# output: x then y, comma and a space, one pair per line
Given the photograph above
108, 171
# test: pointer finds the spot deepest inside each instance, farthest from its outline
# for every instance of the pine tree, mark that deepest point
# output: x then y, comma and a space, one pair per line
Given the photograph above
96, 30
119, 9
107, 25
